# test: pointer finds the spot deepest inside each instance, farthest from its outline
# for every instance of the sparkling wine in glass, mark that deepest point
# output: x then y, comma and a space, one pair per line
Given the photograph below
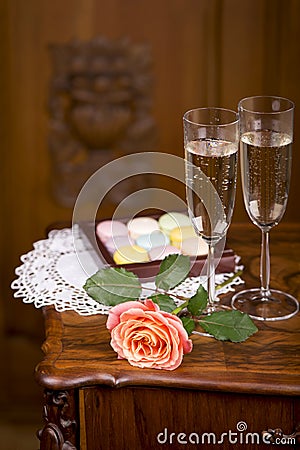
266, 124
211, 139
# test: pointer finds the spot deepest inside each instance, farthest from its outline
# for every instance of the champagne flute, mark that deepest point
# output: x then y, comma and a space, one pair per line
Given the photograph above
211, 139
266, 124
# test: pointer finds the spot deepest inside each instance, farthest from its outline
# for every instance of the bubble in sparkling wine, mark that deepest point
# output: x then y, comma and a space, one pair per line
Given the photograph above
266, 166
211, 179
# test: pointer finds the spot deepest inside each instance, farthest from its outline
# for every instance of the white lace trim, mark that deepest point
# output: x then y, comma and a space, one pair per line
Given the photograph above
53, 273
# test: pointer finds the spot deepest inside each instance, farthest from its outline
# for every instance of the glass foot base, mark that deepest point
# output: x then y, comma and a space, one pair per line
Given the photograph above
277, 306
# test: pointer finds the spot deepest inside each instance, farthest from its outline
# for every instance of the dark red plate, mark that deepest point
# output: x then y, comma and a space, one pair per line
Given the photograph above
150, 269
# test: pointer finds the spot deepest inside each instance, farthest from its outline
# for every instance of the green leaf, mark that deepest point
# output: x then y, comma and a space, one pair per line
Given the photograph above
165, 302
188, 324
111, 286
173, 270
198, 302
233, 326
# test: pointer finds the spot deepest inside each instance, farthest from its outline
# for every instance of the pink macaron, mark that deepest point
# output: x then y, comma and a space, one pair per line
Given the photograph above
158, 253
110, 228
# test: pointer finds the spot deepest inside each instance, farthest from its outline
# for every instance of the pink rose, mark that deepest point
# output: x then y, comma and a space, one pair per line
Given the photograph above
146, 336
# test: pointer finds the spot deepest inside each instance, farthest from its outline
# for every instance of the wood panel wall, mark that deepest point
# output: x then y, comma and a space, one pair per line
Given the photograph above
205, 52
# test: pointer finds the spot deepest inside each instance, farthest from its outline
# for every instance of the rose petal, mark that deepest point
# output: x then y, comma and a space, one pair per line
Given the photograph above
115, 312
151, 306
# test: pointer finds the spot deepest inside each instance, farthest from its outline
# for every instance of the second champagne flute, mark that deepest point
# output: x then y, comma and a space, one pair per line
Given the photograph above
266, 157
211, 139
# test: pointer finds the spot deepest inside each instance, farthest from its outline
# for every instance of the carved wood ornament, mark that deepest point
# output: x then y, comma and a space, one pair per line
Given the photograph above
59, 432
100, 109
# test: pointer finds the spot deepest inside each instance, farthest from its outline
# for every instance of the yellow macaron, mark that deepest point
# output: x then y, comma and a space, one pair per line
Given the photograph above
130, 254
179, 234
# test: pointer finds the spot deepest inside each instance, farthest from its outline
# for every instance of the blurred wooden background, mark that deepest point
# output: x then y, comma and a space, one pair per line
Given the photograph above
205, 52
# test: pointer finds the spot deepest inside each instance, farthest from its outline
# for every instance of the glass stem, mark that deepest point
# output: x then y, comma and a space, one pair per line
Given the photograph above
211, 289
265, 264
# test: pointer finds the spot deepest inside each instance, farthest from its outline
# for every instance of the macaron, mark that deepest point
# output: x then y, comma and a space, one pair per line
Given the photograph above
130, 254
154, 239
108, 228
178, 235
169, 221
158, 253
142, 225
113, 243
194, 246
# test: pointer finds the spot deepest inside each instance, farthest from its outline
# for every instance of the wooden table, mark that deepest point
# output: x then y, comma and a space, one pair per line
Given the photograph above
95, 401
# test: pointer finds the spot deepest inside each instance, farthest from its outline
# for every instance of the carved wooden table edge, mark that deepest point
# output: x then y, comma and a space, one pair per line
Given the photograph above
117, 374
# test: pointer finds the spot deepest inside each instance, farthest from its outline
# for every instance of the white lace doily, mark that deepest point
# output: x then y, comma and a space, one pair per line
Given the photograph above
53, 273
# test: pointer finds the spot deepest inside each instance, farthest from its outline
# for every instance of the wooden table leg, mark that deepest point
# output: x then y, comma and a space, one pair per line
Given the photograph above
60, 430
